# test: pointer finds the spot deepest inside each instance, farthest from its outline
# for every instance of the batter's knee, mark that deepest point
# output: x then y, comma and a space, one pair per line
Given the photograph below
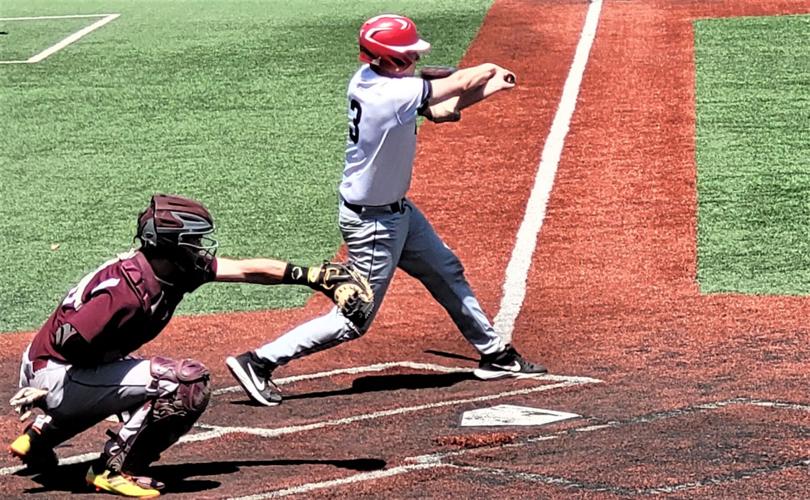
352, 331
452, 263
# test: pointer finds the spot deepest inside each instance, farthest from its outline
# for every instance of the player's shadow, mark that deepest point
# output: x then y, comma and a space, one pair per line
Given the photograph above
451, 355
176, 475
397, 382
70, 478
379, 383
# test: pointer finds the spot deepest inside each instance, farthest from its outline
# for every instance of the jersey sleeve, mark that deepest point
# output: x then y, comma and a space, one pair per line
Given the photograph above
410, 95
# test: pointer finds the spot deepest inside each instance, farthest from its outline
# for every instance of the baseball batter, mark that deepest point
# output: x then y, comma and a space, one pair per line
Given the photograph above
78, 368
381, 227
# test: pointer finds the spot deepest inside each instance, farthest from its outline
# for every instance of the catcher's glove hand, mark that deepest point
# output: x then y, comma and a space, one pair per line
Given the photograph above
347, 288
436, 72
26, 399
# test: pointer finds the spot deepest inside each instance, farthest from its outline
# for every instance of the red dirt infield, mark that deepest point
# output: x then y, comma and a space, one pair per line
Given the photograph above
699, 395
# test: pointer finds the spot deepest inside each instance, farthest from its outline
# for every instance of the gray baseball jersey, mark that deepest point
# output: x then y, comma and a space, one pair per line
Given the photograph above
381, 143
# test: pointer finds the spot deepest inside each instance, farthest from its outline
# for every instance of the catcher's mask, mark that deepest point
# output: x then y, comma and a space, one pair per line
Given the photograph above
179, 229
391, 42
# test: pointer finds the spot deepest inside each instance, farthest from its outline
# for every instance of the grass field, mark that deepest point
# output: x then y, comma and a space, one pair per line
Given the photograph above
672, 391
240, 104
753, 146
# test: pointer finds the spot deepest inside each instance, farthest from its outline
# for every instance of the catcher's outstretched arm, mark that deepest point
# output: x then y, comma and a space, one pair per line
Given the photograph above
342, 283
257, 271
262, 271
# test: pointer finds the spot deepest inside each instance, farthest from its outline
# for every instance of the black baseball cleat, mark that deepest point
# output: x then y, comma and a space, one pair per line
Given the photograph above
507, 363
253, 374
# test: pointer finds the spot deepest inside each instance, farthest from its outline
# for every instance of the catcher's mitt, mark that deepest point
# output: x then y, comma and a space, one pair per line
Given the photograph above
347, 288
436, 72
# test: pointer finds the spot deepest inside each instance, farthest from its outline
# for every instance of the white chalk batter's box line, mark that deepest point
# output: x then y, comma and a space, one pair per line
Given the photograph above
73, 37
214, 431
441, 460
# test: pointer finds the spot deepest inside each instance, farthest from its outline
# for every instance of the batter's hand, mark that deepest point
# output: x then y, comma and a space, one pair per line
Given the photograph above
505, 78
26, 399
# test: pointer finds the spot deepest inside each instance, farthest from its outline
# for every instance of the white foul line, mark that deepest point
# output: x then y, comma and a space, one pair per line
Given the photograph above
514, 287
74, 459
66, 41
72, 38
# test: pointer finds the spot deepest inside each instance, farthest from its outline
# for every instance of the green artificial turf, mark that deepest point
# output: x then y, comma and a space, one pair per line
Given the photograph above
240, 104
753, 155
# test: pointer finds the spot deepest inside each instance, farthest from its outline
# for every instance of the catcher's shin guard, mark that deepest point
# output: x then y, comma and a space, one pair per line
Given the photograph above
171, 416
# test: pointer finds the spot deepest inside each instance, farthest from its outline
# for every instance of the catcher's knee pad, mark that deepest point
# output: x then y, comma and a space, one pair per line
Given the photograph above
171, 416
192, 393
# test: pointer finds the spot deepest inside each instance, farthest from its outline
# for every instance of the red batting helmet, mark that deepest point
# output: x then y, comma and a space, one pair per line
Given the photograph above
391, 42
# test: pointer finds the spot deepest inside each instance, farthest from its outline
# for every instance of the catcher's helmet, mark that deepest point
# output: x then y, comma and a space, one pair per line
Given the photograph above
391, 42
179, 228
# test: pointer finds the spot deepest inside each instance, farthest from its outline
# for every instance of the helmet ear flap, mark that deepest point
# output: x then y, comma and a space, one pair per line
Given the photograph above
148, 234
147, 231
369, 56
399, 62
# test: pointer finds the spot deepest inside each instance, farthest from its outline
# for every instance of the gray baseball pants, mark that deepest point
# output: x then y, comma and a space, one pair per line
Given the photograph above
378, 241
79, 398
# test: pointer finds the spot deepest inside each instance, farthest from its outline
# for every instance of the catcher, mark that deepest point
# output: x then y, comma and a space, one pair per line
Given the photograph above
78, 370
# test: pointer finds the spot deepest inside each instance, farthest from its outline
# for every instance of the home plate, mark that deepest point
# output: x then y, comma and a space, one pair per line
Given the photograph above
512, 415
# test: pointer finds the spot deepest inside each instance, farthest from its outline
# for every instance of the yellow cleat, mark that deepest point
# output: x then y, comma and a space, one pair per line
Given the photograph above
119, 484
21, 446
32, 453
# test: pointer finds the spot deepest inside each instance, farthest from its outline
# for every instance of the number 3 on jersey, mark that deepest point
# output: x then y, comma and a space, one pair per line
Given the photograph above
354, 126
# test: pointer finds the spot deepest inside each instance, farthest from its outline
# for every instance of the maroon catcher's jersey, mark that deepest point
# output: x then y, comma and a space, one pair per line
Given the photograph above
116, 309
